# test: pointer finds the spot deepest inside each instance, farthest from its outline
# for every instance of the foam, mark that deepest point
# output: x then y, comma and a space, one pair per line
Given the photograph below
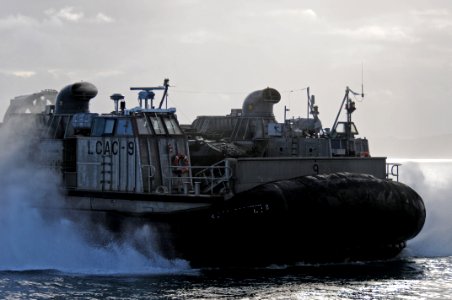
432, 180
33, 240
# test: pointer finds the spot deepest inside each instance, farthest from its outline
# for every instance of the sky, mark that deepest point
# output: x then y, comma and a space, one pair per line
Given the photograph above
217, 52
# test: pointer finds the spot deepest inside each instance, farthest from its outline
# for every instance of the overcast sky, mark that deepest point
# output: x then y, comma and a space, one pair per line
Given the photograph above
216, 52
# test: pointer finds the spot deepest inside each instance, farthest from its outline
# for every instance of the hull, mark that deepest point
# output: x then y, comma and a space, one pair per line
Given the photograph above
322, 218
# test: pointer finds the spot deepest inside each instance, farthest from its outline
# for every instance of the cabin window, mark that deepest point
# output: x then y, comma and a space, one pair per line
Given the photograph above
98, 127
102, 126
353, 128
172, 126
157, 125
176, 127
143, 126
109, 126
124, 127
341, 128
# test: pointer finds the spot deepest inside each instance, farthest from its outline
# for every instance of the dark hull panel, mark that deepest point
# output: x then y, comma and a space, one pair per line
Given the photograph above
323, 218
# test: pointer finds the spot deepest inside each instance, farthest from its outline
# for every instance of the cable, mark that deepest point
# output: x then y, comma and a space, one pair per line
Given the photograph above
292, 91
205, 92
175, 90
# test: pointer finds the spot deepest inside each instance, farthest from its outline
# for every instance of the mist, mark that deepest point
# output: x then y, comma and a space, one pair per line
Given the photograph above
431, 179
34, 237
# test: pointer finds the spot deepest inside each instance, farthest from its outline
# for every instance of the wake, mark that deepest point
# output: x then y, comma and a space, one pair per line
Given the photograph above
33, 239
432, 179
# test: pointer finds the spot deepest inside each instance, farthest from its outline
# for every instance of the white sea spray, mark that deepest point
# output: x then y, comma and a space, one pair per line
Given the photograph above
33, 238
432, 179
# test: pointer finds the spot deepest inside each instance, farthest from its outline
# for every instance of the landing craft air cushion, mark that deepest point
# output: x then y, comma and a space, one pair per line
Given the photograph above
226, 190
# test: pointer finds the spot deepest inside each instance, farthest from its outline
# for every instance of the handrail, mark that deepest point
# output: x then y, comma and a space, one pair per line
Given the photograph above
211, 181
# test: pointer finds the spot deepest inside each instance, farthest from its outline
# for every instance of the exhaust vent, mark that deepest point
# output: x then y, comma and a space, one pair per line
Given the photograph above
75, 98
260, 103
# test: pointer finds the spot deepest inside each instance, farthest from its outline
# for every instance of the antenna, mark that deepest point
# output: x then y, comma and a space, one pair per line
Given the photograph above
146, 93
362, 79
285, 113
116, 97
165, 92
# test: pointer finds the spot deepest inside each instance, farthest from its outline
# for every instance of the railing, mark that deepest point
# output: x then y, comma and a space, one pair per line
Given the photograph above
206, 179
392, 171
214, 176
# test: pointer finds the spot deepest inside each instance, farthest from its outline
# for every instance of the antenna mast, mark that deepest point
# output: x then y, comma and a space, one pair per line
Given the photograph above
362, 80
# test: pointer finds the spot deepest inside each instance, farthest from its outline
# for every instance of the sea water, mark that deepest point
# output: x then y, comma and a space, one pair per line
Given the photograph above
46, 259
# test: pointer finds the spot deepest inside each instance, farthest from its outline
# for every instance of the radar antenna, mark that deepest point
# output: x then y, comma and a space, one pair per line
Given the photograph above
146, 93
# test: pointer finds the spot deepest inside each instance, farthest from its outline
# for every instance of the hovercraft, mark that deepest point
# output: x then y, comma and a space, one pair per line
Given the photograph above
235, 189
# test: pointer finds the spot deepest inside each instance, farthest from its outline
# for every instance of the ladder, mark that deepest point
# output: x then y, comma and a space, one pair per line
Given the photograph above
106, 172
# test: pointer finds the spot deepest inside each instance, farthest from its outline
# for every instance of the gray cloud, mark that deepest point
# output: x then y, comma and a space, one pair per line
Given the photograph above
234, 47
